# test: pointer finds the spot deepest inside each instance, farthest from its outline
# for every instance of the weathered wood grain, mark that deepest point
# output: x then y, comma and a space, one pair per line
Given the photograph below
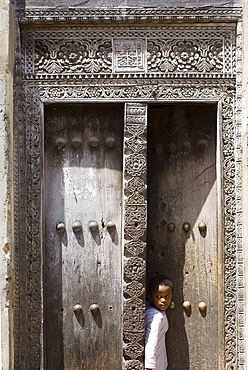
83, 182
182, 187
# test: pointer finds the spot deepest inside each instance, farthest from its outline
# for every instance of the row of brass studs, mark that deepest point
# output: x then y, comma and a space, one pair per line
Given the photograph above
93, 142
186, 226
78, 308
186, 146
77, 226
187, 305
93, 226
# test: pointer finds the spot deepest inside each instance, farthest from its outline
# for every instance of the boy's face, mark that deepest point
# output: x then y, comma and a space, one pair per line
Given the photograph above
161, 297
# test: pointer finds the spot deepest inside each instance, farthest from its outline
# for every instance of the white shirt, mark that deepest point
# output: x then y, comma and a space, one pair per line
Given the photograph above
155, 350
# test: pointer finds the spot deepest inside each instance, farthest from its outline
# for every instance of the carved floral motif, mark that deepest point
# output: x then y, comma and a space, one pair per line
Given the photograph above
154, 89
136, 164
135, 268
134, 248
72, 56
134, 289
171, 50
136, 184
133, 318
133, 349
185, 54
134, 365
201, 56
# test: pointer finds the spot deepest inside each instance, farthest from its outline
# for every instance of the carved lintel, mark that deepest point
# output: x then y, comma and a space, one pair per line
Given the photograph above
170, 51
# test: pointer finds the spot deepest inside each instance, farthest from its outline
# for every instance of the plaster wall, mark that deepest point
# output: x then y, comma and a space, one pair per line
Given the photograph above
133, 3
6, 78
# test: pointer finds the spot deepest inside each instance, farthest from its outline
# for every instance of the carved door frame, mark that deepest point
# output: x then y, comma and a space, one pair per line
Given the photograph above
136, 91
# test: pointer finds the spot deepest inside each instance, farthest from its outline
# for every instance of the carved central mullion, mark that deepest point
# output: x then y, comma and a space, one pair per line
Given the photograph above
135, 215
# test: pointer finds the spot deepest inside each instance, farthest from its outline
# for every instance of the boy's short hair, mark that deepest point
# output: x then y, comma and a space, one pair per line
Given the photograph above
159, 280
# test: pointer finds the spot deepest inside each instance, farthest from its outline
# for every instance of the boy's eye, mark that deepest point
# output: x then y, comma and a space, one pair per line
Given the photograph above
166, 297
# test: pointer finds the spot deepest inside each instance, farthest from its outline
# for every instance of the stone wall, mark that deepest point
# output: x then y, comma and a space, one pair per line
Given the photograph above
6, 98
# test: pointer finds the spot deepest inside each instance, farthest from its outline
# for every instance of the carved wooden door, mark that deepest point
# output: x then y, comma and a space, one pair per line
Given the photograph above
82, 236
183, 228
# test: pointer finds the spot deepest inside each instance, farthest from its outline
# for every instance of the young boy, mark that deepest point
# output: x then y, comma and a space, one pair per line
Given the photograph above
159, 299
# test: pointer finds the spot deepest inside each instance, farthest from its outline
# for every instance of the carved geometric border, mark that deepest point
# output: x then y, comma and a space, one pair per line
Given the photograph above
242, 358
130, 15
29, 258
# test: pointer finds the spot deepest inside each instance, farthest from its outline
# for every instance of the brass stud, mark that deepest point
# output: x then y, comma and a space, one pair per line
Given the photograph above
60, 142
77, 308
171, 148
171, 226
76, 226
158, 149
172, 305
111, 225
202, 144
202, 226
93, 226
186, 226
94, 307
110, 142
202, 306
76, 141
186, 305
187, 146
94, 142
60, 227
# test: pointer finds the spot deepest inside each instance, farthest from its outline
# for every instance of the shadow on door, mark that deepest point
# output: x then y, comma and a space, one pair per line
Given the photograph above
82, 252
182, 193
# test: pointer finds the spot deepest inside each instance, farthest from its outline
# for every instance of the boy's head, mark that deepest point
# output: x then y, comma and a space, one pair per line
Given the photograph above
160, 292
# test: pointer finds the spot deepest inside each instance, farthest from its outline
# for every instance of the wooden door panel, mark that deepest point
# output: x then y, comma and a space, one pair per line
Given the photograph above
182, 189
83, 183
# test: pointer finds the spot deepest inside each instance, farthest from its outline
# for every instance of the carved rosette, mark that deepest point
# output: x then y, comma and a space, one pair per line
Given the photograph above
135, 211
70, 56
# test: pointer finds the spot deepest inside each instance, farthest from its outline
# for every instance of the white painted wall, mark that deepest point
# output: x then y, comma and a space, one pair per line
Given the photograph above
6, 98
